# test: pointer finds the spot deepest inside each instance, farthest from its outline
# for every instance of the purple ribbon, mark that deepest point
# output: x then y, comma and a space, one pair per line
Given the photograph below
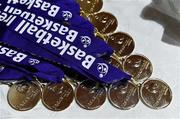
83, 58
18, 41
64, 11
9, 73
96, 68
30, 64
75, 35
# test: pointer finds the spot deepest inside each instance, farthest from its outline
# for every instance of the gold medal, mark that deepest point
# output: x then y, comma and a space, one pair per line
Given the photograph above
90, 6
139, 67
122, 43
123, 95
104, 22
57, 97
23, 96
90, 95
156, 94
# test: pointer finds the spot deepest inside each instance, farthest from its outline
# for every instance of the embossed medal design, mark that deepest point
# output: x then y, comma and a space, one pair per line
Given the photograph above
104, 22
156, 94
123, 95
24, 95
122, 43
90, 95
90, 6
57, 97
139, 67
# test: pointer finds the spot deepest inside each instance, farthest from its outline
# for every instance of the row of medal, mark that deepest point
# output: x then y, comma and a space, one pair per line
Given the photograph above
89, 94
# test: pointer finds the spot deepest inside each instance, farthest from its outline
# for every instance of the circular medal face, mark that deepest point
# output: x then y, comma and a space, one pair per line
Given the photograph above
23, 96
139, 67
104, 22
57, 97
123, 95
156, 94
115, 63
122, 43
90, 95
90, 6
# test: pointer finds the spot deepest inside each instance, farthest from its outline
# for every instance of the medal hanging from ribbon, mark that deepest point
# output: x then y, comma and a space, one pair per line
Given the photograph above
76, 35
104, 68
138, 66
80, 59
79, 38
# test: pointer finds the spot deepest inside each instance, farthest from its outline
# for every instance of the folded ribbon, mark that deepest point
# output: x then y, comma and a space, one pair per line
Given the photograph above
95, 67
61, 10
77, 36
33, 65
8, 74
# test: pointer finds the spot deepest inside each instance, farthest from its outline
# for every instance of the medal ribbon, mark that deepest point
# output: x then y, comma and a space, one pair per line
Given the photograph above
33, 65
19, 42
95, 67
74, 35
9, 73
61, 11
99, 70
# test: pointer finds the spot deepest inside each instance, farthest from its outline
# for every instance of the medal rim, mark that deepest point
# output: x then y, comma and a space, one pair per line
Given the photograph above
140, 80
102, 3
104, 12
115, 105
128, 35
142, 97
23, 110
84, 107
49, 107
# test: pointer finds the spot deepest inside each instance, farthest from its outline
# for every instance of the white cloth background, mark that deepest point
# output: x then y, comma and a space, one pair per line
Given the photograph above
149, 36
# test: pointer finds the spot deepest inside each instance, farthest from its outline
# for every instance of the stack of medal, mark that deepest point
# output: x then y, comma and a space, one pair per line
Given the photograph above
154, 93
90, 94
24, 95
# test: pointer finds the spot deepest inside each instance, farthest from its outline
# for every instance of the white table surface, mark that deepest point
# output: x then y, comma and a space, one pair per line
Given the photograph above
149, 37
